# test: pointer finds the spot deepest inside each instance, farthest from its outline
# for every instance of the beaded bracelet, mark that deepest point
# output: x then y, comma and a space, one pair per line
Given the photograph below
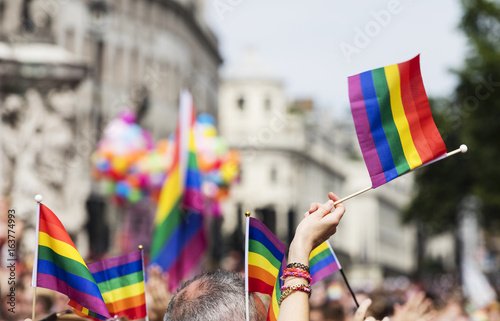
290, 289
298, 265
297, 273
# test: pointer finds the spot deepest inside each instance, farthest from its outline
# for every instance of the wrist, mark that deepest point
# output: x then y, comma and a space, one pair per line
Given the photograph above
299, 252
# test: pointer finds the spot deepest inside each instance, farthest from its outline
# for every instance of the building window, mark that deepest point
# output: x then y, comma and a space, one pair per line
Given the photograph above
70, 40
2, 12
241, 103
273, 175
267, 103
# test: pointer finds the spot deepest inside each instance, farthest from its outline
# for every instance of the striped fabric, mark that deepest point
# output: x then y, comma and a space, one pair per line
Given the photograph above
266, 255
179, 240
121, 282
274, 308
393, 120
60, 267
323, 262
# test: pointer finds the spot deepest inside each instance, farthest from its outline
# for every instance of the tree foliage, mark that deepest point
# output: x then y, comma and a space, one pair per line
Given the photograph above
471, 117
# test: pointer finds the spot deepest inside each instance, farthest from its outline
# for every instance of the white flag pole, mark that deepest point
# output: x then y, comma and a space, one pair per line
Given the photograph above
247, 230
463, 149
38, 199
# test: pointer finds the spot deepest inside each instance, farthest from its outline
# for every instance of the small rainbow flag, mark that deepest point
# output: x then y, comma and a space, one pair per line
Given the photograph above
59, 267
393, 120
121, 282
323, 262
179, 240
265, 255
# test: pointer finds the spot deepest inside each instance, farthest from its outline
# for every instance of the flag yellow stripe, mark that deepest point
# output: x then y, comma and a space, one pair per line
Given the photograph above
170, 194
398, 113
124, 292
60, 247
323, 246
262, 262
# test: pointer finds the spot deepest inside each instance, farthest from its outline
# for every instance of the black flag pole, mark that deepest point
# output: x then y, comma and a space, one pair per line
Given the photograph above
349, 287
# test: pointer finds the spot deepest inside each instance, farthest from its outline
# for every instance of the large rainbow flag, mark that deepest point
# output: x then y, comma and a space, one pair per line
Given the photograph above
393, 120
179, 241
323, 262
121, 282
265, 255
59, 267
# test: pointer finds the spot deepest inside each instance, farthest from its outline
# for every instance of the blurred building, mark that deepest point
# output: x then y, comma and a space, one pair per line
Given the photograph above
135, 54
293, 155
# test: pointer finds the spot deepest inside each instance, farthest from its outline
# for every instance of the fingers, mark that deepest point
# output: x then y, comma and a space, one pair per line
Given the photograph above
361, 311
314, 207
333, 197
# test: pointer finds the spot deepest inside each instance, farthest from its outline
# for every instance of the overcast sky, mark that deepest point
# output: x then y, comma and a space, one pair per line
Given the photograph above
313, 46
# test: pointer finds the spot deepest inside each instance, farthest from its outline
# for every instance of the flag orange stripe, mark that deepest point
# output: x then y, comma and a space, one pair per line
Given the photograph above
55, 231
48, 216
259, 273
124, 304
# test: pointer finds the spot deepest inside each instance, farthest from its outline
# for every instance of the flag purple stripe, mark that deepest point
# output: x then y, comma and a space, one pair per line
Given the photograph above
190, 256
324, 272
363, 131
263, 228
188, 229
193, 199
51, 282
114, 262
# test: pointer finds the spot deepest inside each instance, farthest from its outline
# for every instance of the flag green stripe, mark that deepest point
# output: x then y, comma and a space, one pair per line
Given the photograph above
390, 129
257, 247
164, 230
318, 257
65, 263
192, 162
120, 282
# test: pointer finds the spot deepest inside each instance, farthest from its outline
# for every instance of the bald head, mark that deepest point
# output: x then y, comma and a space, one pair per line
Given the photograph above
212, 296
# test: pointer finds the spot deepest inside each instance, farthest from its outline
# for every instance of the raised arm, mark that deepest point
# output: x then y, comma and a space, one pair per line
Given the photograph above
317, 226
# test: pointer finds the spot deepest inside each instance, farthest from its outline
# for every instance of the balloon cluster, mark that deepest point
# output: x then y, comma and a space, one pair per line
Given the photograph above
131, 167
218, 164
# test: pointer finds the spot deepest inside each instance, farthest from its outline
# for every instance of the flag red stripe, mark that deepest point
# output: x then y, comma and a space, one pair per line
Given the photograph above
257, 285
411, 113
428, 126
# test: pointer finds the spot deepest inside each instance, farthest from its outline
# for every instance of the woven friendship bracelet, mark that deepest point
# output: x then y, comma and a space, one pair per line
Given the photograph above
297, 273
298, 265
290, 289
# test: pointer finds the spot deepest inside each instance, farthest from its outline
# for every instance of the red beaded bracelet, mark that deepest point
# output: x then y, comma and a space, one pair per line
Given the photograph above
297, 273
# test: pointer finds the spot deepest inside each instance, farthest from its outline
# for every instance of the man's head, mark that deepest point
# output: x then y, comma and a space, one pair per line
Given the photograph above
213, 296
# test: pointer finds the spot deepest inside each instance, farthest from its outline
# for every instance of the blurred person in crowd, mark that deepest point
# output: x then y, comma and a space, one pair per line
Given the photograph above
43, 305
317, 314
334, 311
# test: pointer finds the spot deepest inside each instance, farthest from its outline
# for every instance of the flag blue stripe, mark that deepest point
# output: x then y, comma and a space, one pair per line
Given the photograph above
181, 236
321, 264
257, 235
74, 281
375, 119
117, 271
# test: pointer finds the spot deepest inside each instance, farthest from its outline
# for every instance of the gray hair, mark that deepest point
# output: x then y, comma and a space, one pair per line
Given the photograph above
219, 295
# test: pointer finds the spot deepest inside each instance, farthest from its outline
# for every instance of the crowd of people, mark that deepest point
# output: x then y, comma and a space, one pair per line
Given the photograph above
219, 295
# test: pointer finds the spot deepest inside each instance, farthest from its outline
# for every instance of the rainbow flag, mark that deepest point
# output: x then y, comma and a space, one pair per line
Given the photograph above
323, 262
58, 265
179, 241
265, 255
121, 282
393, 120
